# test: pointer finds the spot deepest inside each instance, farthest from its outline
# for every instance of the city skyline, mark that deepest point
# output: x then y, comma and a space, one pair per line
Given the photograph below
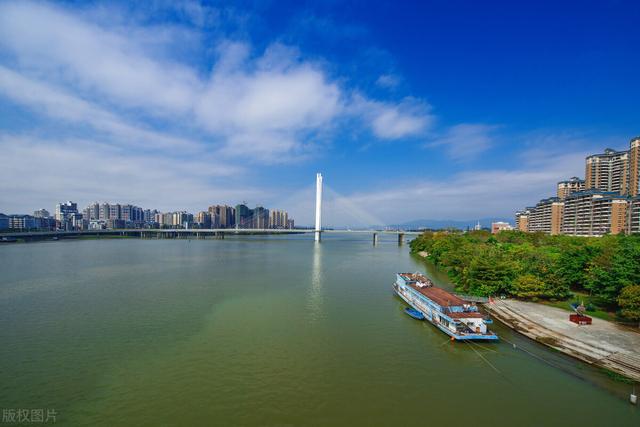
606, 201
173, 104
68, 216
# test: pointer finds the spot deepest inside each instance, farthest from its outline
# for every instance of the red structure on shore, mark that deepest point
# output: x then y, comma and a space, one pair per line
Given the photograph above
580, 319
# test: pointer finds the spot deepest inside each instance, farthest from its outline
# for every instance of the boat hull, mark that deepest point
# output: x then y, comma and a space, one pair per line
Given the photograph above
428, 316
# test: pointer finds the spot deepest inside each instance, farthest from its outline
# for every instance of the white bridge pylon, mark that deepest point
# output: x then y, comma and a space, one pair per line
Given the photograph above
318, 229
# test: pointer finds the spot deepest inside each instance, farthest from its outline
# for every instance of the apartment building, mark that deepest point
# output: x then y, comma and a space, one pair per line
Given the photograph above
63, 210
41, 213
570, 186
203, 219
594, 213
546, 216
608, 171
278, 218
222, 216
634, 167
522, 219
633, 216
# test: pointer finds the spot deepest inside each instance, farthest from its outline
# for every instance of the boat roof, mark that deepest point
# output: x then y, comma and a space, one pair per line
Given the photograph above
464, 314
439, 296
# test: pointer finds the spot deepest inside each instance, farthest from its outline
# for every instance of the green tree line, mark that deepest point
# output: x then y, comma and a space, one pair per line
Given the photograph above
540, 266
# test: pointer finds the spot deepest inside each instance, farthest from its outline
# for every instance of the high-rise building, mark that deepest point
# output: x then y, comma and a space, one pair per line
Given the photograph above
222, 216
594, 213
181, 219
522, 219
149, 215
78, 222
63, 210
105, 211
608, 171
41, 213
127, 212
158, 218
115, 211
167, 220
278, 219
570, 186
92, 212
633, 216
63, 214
243, 216
203, 219
634, 167
546, 216
260, 218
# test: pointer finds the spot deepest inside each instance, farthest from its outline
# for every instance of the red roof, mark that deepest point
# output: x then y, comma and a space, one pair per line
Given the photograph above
465, 314
439, 296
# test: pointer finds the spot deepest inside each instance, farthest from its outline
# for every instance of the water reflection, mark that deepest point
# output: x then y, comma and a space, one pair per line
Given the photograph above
315, 297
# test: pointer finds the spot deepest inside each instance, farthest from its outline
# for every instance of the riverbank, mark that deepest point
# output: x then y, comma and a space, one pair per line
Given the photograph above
603, 344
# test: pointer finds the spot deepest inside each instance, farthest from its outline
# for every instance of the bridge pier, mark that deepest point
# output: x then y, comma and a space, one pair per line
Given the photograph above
375, 239
400, 239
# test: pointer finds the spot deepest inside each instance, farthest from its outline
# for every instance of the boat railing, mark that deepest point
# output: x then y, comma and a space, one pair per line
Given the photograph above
472, 298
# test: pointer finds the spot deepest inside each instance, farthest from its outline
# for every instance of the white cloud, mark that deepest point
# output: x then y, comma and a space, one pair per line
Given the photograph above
274, 95
469, 195
388, 81
92, 171
58, 104
56, 43
466, 141
409, 118
255, 103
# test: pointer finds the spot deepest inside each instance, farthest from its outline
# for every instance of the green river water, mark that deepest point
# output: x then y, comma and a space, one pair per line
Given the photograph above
275, 331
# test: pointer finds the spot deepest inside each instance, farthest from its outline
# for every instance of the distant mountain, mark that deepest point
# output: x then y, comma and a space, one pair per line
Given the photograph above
448, 223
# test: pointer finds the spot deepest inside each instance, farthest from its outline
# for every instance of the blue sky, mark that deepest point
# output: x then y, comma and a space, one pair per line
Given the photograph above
453, 110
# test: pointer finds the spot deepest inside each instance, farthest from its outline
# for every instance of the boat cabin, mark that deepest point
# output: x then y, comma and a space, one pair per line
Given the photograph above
441, 306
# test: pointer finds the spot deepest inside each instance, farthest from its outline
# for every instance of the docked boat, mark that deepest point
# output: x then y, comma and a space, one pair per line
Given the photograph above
449, 313
414, 313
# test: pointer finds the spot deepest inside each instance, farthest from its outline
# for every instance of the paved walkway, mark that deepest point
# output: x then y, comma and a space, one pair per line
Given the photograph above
603, 343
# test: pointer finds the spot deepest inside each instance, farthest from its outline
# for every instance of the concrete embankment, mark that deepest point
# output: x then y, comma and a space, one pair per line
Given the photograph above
604, 344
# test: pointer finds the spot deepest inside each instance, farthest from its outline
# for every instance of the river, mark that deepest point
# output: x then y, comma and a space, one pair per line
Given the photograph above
271, 330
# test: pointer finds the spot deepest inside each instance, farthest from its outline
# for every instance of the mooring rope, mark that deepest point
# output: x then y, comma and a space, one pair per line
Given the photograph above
483, 358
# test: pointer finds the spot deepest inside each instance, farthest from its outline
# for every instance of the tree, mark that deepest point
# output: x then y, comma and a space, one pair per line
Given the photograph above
629, 301
528, 286
489, 275
573, 261
535, 265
